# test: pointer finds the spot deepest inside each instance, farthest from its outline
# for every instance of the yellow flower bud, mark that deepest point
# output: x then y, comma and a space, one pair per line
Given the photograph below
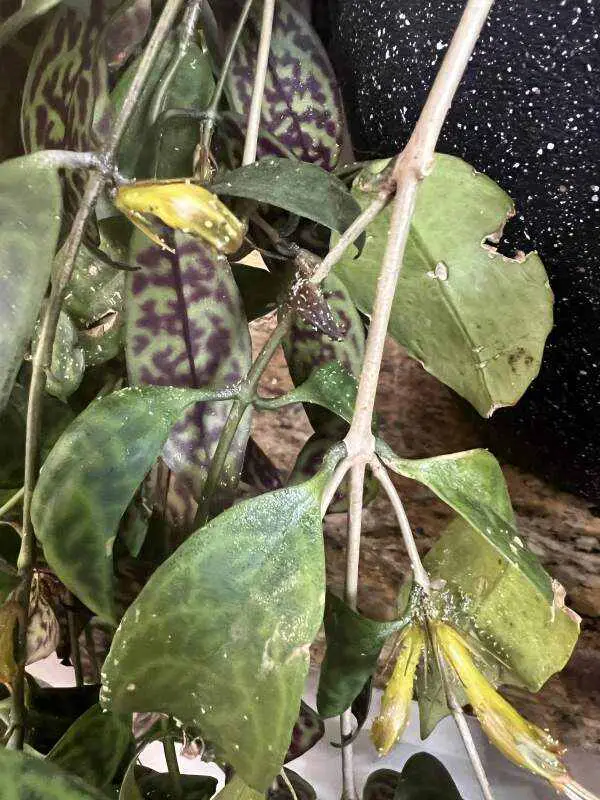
519, 740
184, 206
394, 711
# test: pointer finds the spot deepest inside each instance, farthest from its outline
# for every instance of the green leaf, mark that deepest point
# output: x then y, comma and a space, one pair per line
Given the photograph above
9, 551
329, 386
473, 485
431, 695
236, 789
154, 785
220, 635
26, 777
30, 204
52, 710
303, 189
532, 638
280, 789
353, 646
422, 778
259, 289
475, 319
129, 788
23, 16
68, 363
90, 477
94, 746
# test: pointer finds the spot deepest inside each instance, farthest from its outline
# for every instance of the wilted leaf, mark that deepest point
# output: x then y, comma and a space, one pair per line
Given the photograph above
25, 777
186, 327
422, 778
89, 479
302, 189
353, 646
301, 105
472, 484
23, 16
308, 730
30, 204
475, 319
220, 635
94, 746
68, 363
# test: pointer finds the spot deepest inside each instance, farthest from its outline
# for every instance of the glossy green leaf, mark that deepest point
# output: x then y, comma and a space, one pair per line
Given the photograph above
89, 479
220, 635
475, 319
23, 16
423, 777
473, 485
303, 189
531, 637
102, 341
236, 789
329, 386
30, 204
94, 746
26, 777
68, 363
353, 646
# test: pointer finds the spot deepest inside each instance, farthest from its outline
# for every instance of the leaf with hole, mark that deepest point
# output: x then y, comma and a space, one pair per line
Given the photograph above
302, 189
353, 646
94, 746
301, 105
220, 635
25, 777
30, 206
186, 327
475, 319
423, 777
90, 477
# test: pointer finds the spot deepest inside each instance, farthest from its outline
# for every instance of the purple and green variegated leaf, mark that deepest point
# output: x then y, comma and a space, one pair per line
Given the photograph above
307, 349
126, 32
302, 106
309, 462
185, 326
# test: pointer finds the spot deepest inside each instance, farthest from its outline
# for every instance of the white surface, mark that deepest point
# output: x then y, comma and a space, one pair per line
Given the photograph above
321, 765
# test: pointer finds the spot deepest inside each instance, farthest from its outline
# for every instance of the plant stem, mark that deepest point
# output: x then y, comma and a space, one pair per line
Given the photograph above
173, 766
12, 502
66, 159
421, 576
262, 63
208, 125
237, 411
43, 351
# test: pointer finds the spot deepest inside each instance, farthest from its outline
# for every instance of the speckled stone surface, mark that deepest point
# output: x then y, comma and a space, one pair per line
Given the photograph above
528, 115
421, 417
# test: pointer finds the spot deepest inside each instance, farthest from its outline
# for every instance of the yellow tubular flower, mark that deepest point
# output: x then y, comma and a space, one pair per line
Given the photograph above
519, 740
394, 711
184, 206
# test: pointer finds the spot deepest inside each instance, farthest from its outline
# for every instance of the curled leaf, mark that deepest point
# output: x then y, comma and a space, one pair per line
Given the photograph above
182, 206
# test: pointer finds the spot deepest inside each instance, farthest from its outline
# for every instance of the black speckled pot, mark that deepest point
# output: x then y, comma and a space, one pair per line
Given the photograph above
528, 115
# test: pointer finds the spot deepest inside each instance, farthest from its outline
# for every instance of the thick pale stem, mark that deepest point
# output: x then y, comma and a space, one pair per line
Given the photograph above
262, 62
43, 351
173, 767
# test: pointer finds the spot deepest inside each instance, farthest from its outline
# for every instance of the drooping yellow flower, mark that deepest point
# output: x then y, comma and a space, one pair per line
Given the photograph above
519, 740
394, 711
184, 206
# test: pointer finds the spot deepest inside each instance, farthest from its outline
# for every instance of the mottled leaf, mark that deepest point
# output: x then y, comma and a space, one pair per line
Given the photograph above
186, 327
124, 34
305, 349
475, 319
308, 730
422, 778
493, 600
303, 189
43, 631
473, 485
25, 777
330, 386
23, 16
29, 224
220, 635
94, 746
307, 302
66, 369
353, 646
89, 479
279, 790
301, 104
154, 785
103, 340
